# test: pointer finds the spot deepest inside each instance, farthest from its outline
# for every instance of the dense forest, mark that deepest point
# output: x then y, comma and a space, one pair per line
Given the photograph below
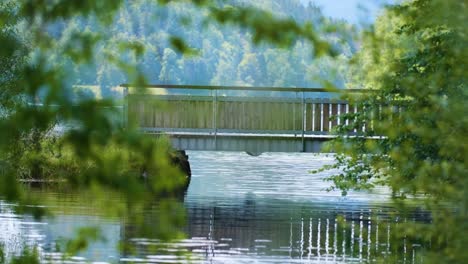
222, 55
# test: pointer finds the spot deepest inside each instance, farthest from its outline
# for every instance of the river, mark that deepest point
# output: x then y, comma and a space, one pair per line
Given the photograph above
240, 209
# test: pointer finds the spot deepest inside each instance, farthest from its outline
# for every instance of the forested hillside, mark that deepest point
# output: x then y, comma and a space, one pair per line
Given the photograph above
224, 55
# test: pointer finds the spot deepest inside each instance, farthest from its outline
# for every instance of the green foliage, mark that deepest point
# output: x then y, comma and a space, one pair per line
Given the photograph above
414, 65
283, 32
2, 254
12, 57
180, 46
52, 11
42, 41
28, 256
81, 240
198, 43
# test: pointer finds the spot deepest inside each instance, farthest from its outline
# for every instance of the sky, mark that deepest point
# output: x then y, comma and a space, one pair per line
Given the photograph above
354, 11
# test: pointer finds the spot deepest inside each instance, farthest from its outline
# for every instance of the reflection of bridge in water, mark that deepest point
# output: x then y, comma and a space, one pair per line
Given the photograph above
219, 234
251, 119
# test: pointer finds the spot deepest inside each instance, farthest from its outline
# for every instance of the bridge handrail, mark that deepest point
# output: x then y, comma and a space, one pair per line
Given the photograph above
248, 88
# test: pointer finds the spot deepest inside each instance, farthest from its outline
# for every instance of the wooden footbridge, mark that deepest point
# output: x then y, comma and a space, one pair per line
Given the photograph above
250, 119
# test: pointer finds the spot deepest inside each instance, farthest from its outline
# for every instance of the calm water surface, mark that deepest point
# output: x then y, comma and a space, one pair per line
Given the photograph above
240, 209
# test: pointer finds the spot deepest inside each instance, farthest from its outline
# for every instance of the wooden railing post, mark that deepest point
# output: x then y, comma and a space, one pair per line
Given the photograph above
215, 115
304, 120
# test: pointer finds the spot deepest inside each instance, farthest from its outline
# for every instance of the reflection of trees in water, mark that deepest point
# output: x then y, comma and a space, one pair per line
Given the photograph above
292, 231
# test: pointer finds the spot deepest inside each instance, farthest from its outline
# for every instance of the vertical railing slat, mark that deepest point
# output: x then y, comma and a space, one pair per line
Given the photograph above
326, 117
334, 114
321, 117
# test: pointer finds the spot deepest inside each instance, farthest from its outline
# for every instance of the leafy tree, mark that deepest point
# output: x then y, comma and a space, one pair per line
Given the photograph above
96, 153
136, 22
226, 69
249, 69
12, 57
170, 69
414, 66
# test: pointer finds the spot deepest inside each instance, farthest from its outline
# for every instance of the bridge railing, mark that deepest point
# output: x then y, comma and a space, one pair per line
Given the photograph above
240, 110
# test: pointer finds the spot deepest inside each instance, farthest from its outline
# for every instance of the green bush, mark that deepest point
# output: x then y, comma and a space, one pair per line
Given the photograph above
413, 65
